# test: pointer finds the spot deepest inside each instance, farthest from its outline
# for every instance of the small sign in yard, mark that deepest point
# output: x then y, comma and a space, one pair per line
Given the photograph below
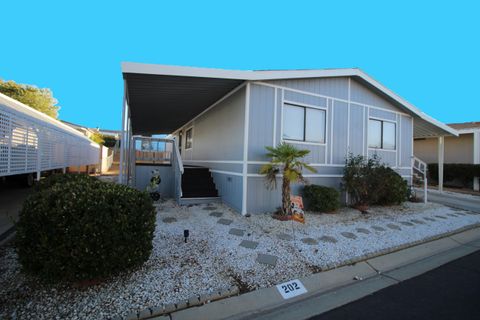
291, 289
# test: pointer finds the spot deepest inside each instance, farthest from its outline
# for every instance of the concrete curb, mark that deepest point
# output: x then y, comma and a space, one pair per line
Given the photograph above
369, 275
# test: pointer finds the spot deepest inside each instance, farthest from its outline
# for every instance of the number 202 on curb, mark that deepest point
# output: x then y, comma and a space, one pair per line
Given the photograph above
291, 289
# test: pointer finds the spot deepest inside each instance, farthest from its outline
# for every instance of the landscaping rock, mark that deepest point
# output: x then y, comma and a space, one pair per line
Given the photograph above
284, 236
363, 230
225, 221
393, 226
328, 239
210, 208
169, 219
417, 221
216, 214
194, 301
267, 259
249, 244
309, 241
237, 232
348, 235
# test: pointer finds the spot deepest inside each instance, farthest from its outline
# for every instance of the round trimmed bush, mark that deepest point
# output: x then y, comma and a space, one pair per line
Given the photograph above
389, 187
321, 198
79, 228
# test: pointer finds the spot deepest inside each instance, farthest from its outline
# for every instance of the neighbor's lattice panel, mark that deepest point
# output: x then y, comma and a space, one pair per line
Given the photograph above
29, 144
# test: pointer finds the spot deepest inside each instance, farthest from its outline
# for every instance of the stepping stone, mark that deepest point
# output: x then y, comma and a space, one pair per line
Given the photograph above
441, 217
362, 230
377, 228
284, 236
309, 241
210, 208
349, 235
249, 244
429, 219
237, 232
217, 214
224, 221
417, 221
169, 219
267, 259
405, 223
328, 239
393, 226
471, 213
460, 213
452, 215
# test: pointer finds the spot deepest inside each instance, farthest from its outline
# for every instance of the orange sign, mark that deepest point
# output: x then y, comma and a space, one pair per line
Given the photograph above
296, 203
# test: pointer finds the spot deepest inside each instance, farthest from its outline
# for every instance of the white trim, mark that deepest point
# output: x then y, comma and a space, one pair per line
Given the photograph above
275, 106
363, 130
216, 161
129, 67
281, 114
383, 119
331, 129
310, 164
227, 172
303, 142
245, 149
302, 104
379, 149
348, 118
399, 154
210, 107
468, 130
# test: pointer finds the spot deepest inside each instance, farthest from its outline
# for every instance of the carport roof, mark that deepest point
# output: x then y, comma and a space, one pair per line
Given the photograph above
162, 98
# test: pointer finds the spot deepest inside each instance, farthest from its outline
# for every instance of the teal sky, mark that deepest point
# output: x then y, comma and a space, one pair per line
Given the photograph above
428, 53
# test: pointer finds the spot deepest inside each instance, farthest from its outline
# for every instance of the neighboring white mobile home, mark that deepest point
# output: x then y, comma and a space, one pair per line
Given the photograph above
221, 121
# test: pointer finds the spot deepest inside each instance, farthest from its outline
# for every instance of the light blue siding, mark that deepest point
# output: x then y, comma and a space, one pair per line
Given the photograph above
383, 114
230, 189
260, 134
332, 87
356, 129
340, 131
406, 141
305, 99
360, 93
387, 157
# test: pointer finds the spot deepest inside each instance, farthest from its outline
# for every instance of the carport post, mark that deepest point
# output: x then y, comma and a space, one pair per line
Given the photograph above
476, 158
441, 155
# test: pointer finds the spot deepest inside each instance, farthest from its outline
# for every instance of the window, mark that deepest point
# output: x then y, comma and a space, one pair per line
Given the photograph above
381, 134
189, 138
303, 124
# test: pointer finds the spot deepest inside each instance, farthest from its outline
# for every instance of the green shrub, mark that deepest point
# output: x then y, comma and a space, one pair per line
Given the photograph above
63, 178
461, 172
369, 182
321, 198
75, 227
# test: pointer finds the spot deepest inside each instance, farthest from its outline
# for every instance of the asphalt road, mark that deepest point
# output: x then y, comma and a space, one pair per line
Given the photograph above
451, 291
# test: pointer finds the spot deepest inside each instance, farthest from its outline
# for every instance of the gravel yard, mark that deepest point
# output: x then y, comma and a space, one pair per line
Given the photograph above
213, 258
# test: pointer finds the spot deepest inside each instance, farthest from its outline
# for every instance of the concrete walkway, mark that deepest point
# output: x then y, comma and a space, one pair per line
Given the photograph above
334, 288
454, 199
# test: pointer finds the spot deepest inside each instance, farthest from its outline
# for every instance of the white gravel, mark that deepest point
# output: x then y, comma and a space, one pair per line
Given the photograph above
212, 259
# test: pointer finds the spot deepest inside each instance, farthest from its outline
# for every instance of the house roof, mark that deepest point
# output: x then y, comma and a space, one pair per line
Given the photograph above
466, 127
181, 93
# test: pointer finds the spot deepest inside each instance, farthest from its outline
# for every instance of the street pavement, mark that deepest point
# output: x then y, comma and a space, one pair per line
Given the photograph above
451, 291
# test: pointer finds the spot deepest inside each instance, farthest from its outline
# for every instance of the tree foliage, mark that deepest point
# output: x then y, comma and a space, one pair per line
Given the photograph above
40, 99
286, 159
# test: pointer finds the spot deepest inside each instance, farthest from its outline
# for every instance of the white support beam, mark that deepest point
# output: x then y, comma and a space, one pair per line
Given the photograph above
441, 157
122, 141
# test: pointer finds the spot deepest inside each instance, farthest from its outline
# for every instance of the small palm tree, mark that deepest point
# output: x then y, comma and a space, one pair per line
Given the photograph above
287, 160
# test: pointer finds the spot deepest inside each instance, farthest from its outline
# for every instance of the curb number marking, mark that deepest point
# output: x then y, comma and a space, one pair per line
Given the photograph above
291, 289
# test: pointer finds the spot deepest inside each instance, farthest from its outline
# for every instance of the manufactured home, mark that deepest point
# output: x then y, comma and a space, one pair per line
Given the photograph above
216, 124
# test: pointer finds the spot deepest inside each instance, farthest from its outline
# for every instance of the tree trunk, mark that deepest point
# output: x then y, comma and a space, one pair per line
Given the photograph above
285, 195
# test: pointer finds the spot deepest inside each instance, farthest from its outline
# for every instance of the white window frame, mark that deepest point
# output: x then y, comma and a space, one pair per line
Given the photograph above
305, 107
381, 120
186, 139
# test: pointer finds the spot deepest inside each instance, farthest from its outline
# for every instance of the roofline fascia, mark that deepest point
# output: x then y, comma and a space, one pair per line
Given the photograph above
249, 75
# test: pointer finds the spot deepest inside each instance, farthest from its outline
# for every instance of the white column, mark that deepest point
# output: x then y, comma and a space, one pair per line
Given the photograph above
476, 158
441, 156
122, 141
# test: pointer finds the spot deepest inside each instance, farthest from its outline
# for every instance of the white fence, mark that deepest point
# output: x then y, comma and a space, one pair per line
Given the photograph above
31, 141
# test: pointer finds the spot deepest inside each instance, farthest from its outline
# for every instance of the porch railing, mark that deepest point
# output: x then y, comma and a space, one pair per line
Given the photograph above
178, 170
421, 167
